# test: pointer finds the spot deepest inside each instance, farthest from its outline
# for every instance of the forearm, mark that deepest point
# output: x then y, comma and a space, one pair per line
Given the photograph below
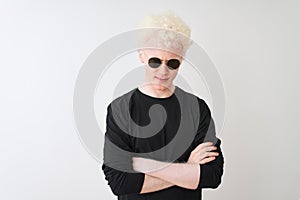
152, 184
184, 175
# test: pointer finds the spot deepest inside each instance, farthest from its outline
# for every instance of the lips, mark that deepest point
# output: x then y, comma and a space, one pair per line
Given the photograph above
161, 79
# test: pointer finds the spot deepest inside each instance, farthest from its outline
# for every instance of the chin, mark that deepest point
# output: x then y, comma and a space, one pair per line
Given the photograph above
161, 86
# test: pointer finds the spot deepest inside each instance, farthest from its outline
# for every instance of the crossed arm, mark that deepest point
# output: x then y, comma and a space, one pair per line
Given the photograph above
202, 170
185, 175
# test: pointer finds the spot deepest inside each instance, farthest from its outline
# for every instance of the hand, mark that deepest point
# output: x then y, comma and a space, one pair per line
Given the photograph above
201, 154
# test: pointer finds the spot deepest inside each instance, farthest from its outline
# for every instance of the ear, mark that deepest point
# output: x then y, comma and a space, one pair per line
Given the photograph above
141, 56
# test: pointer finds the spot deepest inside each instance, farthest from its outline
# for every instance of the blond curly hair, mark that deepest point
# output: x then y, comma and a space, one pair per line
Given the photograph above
166, 31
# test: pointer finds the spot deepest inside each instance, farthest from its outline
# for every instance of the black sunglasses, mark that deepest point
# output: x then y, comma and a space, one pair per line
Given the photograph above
172, 64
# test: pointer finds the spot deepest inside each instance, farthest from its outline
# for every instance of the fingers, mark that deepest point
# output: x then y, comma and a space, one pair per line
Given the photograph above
210, 148
203, 145
208, 155
203, 153
206, 160
211, 154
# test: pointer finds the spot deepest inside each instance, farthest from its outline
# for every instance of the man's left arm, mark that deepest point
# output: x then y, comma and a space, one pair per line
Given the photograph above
211, 172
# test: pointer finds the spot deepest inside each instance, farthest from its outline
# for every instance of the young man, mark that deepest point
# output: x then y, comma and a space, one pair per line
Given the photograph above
160, 141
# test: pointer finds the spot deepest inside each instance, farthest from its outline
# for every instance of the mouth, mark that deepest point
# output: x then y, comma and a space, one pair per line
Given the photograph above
162, 79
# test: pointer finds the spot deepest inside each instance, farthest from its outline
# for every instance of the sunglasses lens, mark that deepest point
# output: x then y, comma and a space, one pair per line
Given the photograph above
173, 63
154, 62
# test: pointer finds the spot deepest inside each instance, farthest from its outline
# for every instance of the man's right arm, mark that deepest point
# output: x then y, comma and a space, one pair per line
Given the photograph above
152, 184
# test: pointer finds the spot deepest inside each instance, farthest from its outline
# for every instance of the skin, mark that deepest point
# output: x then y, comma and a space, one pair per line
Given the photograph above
160, 175
158, 82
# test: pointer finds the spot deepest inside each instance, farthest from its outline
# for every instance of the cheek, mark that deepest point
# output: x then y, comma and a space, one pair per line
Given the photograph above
149, 72
174, 74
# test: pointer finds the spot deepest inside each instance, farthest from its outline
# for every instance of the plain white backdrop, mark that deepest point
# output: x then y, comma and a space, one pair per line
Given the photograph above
254, 44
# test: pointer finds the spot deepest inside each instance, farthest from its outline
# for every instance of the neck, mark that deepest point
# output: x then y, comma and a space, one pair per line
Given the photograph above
158, 91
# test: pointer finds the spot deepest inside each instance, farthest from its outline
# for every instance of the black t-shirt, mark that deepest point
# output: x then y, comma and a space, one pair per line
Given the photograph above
167, 132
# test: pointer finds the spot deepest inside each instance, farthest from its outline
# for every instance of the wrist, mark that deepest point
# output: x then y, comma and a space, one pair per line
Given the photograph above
148, 166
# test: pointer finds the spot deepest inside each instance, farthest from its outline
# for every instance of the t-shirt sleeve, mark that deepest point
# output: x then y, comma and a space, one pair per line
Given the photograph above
210, 173
117, 165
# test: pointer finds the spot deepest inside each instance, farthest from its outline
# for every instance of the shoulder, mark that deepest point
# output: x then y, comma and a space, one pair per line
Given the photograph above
188, 95
122, 101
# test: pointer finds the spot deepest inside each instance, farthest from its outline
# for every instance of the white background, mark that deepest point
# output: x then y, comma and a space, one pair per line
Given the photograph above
254, 44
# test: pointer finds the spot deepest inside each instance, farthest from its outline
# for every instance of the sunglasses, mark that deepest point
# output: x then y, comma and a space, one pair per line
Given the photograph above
172, 64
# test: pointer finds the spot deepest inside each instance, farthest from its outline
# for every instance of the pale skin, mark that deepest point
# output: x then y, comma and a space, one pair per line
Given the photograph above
158, 82
161, 175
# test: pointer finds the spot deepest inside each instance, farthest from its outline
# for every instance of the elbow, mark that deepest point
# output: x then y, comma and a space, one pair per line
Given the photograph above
216, 184
119, 191
211, 177
120, 183
116, 191
218, 180
212, 185
123, 187
211, 182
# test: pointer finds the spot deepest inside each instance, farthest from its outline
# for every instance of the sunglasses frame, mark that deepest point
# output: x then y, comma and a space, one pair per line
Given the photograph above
161, 61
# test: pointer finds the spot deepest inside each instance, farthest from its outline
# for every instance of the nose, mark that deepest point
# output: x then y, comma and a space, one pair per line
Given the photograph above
163, 69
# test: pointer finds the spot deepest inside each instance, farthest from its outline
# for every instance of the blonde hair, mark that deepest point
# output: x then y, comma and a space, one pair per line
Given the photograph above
167, 31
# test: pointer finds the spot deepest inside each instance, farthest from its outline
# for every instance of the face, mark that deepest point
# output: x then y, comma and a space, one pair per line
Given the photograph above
161, 76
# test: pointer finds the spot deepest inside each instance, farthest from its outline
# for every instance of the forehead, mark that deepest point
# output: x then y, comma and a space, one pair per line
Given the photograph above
161, 53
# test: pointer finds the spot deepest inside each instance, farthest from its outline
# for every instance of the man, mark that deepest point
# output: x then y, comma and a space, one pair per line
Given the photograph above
160, 141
